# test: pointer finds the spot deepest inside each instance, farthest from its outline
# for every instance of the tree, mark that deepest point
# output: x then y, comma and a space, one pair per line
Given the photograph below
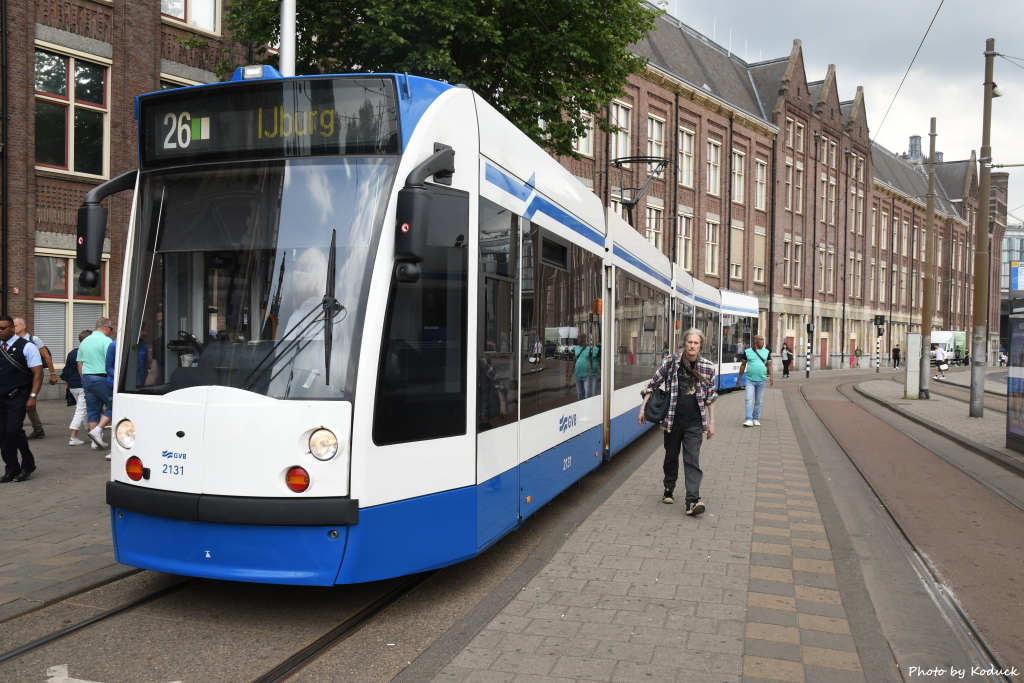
542, 64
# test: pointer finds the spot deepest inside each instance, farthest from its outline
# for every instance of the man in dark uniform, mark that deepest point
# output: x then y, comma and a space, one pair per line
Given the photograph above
21, 377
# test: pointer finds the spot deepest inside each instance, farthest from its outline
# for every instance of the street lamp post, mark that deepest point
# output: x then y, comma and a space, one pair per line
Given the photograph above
928, 288
979, 332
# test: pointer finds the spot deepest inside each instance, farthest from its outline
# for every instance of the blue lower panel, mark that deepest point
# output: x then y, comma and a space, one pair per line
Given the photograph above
728, 380
625, 429
411, 536
237, 552
497, 507
546, 475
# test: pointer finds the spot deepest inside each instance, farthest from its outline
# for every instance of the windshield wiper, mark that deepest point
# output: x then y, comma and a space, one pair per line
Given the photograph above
331, 308
276, 354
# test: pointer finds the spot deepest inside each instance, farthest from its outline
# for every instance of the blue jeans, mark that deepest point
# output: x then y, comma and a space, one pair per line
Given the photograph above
755, 397
98, 396
586, 387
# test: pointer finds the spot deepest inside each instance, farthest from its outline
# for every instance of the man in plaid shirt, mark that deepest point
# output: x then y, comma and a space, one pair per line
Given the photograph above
690, 381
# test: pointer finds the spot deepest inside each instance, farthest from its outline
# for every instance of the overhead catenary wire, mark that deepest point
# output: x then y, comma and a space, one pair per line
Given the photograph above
909, 67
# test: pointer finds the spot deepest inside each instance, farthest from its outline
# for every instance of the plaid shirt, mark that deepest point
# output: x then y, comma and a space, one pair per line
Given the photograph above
668, 373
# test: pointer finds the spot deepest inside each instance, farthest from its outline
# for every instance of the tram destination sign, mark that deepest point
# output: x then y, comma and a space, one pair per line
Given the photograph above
269, 119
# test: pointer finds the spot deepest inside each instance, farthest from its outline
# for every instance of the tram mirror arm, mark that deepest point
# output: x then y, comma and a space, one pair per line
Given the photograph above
412, 213
92, 226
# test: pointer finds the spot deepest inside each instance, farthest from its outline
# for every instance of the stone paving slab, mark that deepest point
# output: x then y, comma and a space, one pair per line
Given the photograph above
640, 591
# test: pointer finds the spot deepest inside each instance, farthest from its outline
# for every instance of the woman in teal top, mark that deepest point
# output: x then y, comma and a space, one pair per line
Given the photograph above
587, 368
757, 363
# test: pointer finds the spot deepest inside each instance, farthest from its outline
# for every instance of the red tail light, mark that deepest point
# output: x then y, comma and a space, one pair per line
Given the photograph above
297, 479
133, 468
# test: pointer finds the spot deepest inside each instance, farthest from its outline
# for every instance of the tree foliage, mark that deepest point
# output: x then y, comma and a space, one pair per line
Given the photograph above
534, 60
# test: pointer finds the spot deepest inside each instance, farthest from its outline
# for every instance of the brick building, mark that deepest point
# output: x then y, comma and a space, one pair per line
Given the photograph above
775, 189
74, 68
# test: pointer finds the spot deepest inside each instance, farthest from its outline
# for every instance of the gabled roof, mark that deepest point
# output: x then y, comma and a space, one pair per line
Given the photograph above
911, 180
956, 177
678, 50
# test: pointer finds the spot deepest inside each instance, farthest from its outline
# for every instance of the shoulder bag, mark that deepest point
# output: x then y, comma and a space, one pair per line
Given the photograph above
656, 408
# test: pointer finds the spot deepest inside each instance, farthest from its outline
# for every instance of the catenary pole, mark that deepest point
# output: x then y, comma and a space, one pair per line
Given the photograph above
287, 53
979, 332
928, 286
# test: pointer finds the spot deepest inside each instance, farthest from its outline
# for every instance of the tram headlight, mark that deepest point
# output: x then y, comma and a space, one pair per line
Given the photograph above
323, 444
125, 434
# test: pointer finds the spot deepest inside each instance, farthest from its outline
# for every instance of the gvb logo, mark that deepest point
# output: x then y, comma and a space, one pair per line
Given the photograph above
566, 422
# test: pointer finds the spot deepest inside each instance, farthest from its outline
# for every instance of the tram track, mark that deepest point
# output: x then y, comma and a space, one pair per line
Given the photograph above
894, 473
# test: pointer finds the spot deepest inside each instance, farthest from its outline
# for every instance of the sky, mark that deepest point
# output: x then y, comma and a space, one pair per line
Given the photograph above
872, 44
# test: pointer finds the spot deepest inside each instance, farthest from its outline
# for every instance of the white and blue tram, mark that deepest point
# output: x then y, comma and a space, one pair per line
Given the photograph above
334, 293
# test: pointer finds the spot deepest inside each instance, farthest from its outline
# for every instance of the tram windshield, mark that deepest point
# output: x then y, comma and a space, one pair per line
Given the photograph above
231, 276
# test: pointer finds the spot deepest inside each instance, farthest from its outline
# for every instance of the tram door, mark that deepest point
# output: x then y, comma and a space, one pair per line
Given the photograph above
498, 356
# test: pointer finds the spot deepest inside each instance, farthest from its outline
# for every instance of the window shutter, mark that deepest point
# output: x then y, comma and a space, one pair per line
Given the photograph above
49, 325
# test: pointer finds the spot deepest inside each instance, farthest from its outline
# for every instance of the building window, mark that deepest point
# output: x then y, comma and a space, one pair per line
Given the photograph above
787, 256
830, 273
821, 270
714, 167
760, 185
584, 143
871, 290
711, 248
620, 139
760, 241
789, 132
800, 137
201, 14
881, 282
884, 236
798, 268
653, 233
874, 224
736, 253
831, 201
685, 161
63, 307
738, 189
798, 199
824, 197
655, 140
71, 113
789, 186
832, 154
684, 241
906, 231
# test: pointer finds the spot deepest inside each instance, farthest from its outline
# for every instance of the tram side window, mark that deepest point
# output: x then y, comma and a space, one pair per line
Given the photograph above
421, 383
497, 386
641, 330
560, 283
707, 321
736, 337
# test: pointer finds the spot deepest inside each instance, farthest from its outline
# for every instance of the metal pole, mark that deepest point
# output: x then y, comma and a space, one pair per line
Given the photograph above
287, 52
5, 121
928, 288
878, 354
979, 340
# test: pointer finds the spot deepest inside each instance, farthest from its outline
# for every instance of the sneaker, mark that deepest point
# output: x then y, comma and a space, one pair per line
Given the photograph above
107, 456
748, 423
75, 442
96, 434
37, 434
667, 498
694, 508
94, 447
757, 423
935, 376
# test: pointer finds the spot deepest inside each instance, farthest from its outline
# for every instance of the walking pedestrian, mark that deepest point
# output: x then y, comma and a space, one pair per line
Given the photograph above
857, 354
757, 365
787, 359
896, 357
690, 382
92, 365
939, 359
73, 379
21, 330
21, 378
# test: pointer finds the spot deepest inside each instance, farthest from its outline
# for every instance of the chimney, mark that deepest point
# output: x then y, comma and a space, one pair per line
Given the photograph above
914, 155
938, 157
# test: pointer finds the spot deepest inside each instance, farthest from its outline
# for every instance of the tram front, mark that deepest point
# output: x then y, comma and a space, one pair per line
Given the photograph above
258, 210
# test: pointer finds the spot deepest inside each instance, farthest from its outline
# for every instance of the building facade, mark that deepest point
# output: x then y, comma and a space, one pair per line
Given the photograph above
74, 68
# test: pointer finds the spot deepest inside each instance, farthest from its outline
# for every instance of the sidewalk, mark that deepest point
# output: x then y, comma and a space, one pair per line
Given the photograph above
641, 592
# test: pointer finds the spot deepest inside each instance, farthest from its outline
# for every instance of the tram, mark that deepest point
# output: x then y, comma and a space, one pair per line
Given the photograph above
337, 284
